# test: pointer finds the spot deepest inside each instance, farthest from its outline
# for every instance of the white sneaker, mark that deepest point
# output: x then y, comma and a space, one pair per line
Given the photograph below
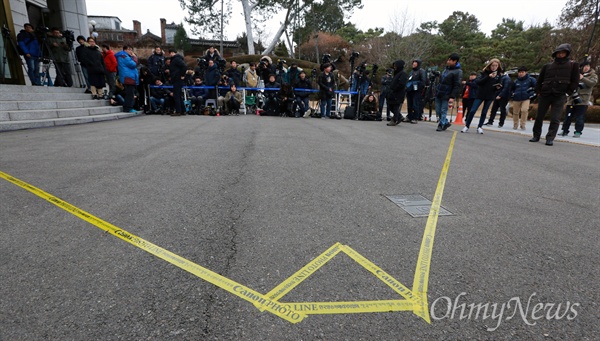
480, 130
307, 113
464, 130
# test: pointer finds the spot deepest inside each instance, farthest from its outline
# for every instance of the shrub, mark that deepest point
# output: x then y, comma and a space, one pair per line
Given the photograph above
591, 116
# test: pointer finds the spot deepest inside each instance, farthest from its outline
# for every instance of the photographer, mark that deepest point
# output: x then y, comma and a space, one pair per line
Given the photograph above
30, 47
234, 74
156, 62
197, 95
369, 109
251, 76
266, 68
501, 100
60, 51
271, 100
233, 101
286, 97
160, 98
301, 107
556, 80
486, 93
212, 54
577, 107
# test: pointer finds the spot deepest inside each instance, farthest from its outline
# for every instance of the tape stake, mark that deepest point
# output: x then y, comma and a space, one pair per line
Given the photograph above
421, 280
210, 276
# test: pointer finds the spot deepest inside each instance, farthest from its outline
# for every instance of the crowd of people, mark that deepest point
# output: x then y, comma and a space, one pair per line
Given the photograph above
166, 85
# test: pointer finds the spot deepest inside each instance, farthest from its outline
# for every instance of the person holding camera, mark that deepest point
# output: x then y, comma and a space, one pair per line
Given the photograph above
501, 100
521, 95
577, 107
30, 47
488, 83
60, 51
556, 80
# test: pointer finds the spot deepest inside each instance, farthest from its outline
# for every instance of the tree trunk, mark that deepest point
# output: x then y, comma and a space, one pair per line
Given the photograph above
248, 19
279, 33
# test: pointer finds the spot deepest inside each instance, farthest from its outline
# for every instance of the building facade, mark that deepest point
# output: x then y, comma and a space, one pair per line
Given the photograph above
68, 15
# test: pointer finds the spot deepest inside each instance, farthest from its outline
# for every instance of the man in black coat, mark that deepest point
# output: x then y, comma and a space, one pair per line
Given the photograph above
556, 80
396, 92
177, 70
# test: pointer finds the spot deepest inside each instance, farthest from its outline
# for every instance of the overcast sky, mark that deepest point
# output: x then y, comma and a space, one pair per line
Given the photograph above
376, 13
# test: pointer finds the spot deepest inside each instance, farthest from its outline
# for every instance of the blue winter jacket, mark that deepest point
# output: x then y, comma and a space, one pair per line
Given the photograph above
29, 44
127, 67
520, 88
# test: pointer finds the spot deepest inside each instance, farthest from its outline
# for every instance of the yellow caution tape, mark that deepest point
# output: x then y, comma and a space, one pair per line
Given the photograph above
421, 280
415, 299
351, 307
222, 282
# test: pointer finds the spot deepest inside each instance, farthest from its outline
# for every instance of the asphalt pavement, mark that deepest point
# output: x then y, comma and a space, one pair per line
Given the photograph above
255, 199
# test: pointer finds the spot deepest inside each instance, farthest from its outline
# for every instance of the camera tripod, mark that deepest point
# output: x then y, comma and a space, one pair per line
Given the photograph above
7, 36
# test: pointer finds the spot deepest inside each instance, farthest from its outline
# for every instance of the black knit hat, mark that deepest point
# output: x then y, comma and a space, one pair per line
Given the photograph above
454, 56
522, 68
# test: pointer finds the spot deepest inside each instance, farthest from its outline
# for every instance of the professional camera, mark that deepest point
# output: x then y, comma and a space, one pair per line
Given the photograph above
375, 69
280, 63
326, 58
221, 64
353, 56
362, 68
433, 75
202, 65
69, 37
576, 97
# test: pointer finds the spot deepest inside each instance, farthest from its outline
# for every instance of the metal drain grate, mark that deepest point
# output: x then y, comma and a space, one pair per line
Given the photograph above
416, 205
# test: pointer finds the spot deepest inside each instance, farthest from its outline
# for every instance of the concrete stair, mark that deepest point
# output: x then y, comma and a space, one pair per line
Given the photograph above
24, 107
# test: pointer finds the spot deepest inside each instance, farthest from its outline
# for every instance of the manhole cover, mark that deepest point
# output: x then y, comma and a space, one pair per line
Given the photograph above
416, 205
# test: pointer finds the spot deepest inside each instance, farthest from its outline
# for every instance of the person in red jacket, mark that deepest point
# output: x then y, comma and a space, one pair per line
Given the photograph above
111, 68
